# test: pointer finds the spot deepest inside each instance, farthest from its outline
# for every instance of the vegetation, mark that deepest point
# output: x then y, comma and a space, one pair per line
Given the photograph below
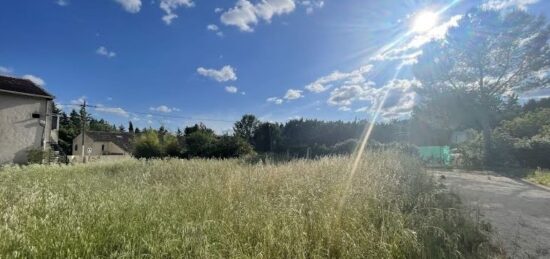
540, 177
465, 75
227, 208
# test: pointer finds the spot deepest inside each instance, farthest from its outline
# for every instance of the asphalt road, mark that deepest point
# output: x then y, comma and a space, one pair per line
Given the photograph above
519, 211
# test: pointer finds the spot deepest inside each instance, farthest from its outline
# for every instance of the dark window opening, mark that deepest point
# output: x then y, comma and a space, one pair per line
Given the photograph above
102, 147
55, 122
76, 147
36, 115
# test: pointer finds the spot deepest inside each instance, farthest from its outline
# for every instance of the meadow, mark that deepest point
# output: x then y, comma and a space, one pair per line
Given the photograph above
391, 208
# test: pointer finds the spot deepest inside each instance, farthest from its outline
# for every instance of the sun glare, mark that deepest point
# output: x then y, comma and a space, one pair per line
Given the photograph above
424, 21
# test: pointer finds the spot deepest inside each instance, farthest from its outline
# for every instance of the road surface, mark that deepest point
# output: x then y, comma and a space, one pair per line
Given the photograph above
518, 211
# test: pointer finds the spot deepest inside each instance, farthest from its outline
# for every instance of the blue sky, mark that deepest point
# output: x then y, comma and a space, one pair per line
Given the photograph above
153, 62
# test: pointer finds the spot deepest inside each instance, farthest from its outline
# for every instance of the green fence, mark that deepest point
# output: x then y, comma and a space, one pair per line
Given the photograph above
436, 155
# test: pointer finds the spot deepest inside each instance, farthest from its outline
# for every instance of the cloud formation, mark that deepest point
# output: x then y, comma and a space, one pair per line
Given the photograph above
231, 89
246, 15
504, 4
293, 94
112, 110
170, 6
103, 51
131, 6
275, 100
226, 73
326, 82
6, 71
164, 109
37, 80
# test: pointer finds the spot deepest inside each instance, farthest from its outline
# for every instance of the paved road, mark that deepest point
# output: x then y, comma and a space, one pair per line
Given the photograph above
519, 211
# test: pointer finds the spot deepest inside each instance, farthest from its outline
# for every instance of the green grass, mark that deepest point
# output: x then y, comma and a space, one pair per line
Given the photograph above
540, 176
223, 209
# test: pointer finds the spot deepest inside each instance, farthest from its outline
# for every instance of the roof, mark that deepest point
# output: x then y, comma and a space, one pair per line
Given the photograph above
121, 139
22, 86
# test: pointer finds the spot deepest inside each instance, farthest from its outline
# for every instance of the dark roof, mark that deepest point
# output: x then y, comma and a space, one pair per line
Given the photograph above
121, 139
23, 86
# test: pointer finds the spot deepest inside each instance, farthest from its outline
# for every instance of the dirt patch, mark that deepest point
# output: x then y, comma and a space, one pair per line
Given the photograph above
518, 211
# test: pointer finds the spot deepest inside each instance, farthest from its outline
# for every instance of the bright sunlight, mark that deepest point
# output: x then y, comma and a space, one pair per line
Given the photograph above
424, 21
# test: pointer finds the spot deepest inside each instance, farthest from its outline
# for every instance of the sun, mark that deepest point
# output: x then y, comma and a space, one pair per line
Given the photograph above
424, 21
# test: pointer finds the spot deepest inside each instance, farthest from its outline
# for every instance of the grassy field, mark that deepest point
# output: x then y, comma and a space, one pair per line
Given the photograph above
541, 177
213, 208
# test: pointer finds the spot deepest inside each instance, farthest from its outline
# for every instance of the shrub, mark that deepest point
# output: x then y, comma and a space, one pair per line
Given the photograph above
36, 156
148, 145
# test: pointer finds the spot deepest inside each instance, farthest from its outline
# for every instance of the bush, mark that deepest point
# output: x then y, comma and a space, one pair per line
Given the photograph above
232, 147
36, 156
148, 145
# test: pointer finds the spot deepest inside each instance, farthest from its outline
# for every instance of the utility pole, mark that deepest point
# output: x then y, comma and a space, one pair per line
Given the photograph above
83, 129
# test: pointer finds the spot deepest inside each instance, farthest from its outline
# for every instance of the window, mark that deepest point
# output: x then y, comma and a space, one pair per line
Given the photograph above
76, 147
36, 115
55, 122
102, 147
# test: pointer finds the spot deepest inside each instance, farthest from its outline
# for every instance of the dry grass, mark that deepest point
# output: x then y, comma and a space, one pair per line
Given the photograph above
213, 208
540, 176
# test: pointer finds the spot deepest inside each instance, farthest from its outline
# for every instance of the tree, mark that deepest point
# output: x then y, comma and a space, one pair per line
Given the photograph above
487, 55
130, 127
246, 126
267, 136
121, 128
148, 145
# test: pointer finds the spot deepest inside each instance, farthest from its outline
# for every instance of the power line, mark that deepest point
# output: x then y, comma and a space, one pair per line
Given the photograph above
153, 114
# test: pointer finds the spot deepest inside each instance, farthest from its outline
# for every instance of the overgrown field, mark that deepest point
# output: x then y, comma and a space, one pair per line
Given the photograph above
541, 177
215, 208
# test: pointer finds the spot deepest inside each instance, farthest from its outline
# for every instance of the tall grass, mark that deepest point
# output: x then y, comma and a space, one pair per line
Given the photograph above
214, 208
540, 176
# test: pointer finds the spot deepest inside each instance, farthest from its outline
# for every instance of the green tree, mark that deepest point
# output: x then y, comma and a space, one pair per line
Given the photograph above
246, 126
267, 137
486, 55
130, 127
147, 145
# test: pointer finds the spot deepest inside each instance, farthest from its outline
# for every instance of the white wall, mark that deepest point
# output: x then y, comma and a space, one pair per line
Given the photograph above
19, 132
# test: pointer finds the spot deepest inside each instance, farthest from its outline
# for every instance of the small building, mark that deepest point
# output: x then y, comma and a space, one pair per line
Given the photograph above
26, 119
98, 144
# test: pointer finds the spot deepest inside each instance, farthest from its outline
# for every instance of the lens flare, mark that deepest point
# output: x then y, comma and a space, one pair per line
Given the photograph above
424, 21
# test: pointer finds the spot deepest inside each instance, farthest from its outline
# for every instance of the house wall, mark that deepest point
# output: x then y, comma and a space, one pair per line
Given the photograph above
110, 147
19, 132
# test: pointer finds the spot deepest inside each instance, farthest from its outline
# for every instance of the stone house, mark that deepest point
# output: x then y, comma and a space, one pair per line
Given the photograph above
26, 119
97, 144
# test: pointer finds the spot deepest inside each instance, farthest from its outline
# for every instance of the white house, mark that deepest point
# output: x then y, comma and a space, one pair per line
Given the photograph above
101, 144
26, 119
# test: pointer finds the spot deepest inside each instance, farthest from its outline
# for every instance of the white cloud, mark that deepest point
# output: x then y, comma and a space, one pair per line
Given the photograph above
218, 10
245, 15
275, 100
37, 80
311, 5
170, 6
6, 71
80, 100
103, 51
62, 2
293, 94
410, 50
399, 93
326, 82
164, 109
504, 4
131, 6
231, 89
212, 27
226, 73
112, 110
215, 28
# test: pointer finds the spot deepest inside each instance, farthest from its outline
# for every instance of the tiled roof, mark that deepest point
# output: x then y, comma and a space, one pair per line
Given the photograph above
121, 139
22, 86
